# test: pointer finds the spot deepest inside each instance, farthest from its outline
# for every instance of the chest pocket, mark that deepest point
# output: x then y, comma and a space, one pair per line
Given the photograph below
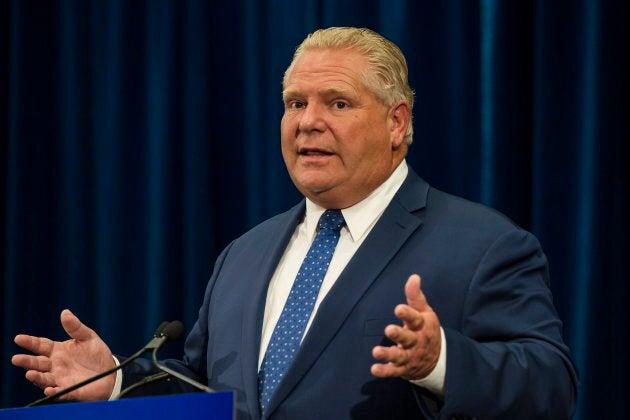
376, 327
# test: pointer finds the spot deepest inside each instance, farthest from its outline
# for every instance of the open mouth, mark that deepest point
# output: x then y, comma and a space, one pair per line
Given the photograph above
314, 152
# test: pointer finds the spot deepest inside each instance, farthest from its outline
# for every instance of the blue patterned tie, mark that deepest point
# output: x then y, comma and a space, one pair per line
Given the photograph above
286, 337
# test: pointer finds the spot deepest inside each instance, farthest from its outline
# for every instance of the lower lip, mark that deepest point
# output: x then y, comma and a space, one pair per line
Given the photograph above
315, 157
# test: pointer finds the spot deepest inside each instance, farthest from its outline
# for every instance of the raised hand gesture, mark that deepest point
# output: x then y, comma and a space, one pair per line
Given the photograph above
59, 364
418, 340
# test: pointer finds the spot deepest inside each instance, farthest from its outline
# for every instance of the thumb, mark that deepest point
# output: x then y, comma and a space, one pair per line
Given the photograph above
414, 295
74, 327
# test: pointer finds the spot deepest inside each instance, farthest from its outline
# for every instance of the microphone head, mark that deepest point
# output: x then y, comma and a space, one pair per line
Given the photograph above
173, 330
158, 332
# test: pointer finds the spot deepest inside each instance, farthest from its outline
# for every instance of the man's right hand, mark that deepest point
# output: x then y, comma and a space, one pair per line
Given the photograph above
59, 364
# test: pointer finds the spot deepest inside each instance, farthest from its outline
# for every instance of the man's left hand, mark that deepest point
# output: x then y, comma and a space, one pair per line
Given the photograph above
418, 340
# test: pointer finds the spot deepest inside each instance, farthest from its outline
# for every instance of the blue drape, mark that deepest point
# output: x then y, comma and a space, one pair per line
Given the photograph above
138, 138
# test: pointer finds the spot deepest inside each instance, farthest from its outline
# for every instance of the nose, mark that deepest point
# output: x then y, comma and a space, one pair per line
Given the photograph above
312, 118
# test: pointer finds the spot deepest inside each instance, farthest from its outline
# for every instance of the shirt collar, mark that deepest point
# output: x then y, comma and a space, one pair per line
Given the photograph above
363, 215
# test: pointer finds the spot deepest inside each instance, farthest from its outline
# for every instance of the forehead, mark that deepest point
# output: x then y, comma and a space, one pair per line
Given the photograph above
336, 69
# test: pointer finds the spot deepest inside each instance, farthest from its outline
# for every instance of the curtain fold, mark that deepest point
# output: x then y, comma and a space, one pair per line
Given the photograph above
139, 138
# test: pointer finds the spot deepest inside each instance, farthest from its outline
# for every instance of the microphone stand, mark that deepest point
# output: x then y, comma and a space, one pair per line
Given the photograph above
180, 376
171, 332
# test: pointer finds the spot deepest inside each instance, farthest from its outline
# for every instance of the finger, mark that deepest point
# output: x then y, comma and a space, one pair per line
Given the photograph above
74, 327
51, 390
392, 354
387, 370
40, 380
37, 345
415, 296
411, 317
38, 363
405, 338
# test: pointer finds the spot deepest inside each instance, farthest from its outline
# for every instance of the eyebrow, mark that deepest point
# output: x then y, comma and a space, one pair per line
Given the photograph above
325, 92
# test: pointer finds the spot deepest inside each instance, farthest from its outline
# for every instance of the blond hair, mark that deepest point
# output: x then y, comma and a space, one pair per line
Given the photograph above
387, 74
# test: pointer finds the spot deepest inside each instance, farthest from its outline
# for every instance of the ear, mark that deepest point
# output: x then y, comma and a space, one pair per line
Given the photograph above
399, 120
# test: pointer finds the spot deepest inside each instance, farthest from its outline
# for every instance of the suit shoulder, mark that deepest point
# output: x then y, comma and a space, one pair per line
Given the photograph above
447, 209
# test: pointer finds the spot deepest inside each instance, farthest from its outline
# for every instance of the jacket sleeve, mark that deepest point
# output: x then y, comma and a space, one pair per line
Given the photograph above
509, 360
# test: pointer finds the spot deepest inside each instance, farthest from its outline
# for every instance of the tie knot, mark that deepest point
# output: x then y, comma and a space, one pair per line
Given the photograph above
331, 220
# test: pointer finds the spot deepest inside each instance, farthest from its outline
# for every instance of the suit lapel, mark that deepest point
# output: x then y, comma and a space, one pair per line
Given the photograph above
272, 248
389, 234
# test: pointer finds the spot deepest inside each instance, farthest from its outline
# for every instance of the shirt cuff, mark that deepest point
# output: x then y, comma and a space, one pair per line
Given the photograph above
434, 381
118, 383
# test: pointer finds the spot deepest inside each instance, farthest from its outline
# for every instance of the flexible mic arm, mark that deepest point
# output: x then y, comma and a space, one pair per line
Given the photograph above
156, 342
171, 332
174, 329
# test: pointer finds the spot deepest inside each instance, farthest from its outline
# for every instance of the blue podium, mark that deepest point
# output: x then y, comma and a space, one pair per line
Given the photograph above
215, 406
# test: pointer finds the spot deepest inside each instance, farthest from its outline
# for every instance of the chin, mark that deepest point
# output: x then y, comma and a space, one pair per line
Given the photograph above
315, 182
329, 199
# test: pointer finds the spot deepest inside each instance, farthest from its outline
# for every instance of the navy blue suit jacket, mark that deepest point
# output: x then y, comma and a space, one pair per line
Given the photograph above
485, 278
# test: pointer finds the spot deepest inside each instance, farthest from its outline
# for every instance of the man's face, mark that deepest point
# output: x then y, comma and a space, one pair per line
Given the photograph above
338, 141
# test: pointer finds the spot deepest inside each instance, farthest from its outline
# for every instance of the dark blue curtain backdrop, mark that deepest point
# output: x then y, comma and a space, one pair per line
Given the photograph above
139, 138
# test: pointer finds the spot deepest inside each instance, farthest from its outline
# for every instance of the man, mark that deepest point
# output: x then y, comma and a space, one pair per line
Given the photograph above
479, 336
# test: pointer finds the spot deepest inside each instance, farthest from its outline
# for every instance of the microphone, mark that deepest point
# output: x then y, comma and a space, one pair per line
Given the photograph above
159, 338
174, 329
170, 331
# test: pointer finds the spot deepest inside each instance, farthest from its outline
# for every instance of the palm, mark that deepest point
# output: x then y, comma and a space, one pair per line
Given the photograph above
74, 361
58, 365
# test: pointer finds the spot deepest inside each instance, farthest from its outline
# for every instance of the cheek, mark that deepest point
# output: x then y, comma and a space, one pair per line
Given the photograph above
288, 123
366, 145
287, 155
287, 140
367, 157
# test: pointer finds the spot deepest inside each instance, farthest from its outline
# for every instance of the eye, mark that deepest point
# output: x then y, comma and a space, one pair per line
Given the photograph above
295, 105
340, 105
